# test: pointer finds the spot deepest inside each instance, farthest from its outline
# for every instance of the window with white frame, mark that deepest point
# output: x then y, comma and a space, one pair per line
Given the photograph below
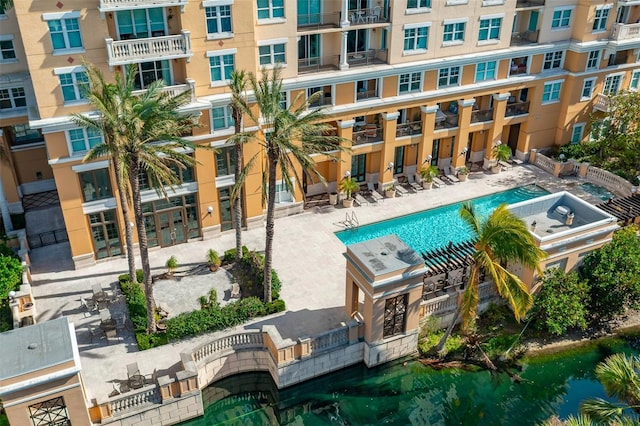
283, 195
7, 51
221, 64
221, 118
486, 71
218, 21
272, 54
449, 77
489, 29
82, 140
635, 80
415, 38
577, 132
418, 4
141, 23
270, 9
553, 60
453, 32
587, 88
73, 82
551, 92
12, 97
148, 72
600, 20
561, 18
612, 84
593, 60
64, 30
410, 82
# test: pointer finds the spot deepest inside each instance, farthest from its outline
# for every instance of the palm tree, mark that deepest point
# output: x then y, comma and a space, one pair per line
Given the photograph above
501, 238
5, 5
156, 130
111, 101
620, 377
238, 87
291, 136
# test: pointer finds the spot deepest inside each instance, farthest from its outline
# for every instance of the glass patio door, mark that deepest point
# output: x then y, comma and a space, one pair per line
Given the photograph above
308, 12
357, 41
309, 49
171, 226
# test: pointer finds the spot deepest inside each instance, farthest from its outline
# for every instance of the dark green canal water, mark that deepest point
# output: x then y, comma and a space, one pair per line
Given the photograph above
409, 393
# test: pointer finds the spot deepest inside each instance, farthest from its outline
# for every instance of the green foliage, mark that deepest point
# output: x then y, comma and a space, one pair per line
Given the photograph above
125, 277
502, 152
428, 173
213, 259
581, 152
496, 346
349, 186
230, 255
251, 276
148, 341
172, 264
561, 302
5, 249
10, 276
613, 275
4, 421
455, 343
275, 306
214, 318
137, 304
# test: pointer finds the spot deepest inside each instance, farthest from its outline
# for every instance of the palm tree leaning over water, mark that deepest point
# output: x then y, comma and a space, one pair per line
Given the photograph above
238, 86
292, 135
499, 239
150, 128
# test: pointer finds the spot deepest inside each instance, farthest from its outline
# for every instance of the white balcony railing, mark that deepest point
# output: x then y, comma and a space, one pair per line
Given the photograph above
113, 5
122, 52
176, 89
601, 103
625, 32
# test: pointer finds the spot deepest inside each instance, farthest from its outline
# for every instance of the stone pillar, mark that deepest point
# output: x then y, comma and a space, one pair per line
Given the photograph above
164, 385
582, 170
345, 130
344, 14
428, 119
389, 126
495, 132
344, 64
187, 381
465, 106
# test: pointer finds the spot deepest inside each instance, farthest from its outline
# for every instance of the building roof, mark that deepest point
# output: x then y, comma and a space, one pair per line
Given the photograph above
385, 255
550, 214
33, 348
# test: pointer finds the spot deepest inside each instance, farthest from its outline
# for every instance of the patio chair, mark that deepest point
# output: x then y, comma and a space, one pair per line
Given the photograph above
375, 14
373, 193
437, 182
360, 200
411, 180
235, 291
370, 131
87, 306
401, 190
96, 333
451, 177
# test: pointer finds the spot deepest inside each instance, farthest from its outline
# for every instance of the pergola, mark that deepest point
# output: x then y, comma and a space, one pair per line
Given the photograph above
626, 210
450, 258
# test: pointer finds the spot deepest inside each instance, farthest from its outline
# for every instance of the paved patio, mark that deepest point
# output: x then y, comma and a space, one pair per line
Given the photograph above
308, 257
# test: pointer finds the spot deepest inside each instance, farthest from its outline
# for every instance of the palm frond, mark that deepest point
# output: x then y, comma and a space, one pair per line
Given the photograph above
603, 411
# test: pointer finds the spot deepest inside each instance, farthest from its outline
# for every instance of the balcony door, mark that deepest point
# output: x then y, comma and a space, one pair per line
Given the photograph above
141, 23
357, 41
309, 12
148, 72
309, 49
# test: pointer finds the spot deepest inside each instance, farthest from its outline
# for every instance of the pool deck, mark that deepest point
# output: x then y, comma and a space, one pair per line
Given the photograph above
307, 255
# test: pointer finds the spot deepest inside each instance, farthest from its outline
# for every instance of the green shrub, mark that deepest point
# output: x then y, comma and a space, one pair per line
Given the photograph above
137, 304
125, 277
172, 264
148, 341
428, 344
230, 255
275, 306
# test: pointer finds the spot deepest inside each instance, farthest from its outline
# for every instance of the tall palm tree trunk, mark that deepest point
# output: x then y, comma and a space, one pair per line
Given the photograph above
144, 249
237, 201
271, 207
128, 231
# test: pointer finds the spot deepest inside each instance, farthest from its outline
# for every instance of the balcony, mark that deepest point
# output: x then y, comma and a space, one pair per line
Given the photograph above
322, 101
176, 89
479, 116
368, 16
311, 65
409, 129
114, 5
366, 58
524, 37
363, 95
317, 21
122, 52
622, 32
528, 4
517, 108
445, 120
601, 103
367, 133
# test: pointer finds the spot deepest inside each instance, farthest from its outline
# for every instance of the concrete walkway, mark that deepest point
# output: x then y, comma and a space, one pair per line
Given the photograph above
307, 255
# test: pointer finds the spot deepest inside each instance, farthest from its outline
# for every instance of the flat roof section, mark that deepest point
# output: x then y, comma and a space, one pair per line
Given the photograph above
551, 213
385, 255
33, 348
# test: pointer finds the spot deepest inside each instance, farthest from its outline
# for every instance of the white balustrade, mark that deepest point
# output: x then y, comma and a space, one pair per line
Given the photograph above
601, 103
608, 180
134, 400
625, 32
545, 163
330, 339
121, 52
112, 5
246, 340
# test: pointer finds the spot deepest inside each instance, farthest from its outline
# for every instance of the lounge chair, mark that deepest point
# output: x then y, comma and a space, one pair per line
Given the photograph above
375, 195
505, 165
360, 200
437, 182
517, 161
411, 180
401, 190
451, 177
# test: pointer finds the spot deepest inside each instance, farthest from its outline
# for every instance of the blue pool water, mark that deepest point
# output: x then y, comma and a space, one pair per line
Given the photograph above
597, 191
434, 228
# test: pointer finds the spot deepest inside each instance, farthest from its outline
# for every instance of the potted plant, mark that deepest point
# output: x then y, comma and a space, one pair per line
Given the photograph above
463, 172
501, 152
390, 191
348, 186
427, 174
171, 265
213, 260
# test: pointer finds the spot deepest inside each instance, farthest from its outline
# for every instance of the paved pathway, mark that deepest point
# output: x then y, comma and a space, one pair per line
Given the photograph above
307, 255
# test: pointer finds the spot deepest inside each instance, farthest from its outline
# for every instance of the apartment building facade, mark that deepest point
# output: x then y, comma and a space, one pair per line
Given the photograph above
408, 82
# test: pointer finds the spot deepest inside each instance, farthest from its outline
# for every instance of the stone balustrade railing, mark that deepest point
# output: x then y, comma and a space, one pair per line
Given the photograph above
608, 180
545, 163
111, 5
625, 32
330, 339
249, 339
135, 400
122, 52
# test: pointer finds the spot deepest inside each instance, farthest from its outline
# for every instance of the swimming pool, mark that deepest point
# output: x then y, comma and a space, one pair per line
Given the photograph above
597, 191
434, 228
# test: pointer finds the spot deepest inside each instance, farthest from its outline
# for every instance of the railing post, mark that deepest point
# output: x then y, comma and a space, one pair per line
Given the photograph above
187, 381
583, 169
353, 331
532, 155
164, 385
109, 42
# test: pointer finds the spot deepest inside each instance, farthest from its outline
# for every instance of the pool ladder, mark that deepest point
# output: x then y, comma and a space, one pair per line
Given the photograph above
351, 221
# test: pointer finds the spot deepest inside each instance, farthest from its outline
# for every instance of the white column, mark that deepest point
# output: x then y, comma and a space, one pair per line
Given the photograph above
344, 14
343, 51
